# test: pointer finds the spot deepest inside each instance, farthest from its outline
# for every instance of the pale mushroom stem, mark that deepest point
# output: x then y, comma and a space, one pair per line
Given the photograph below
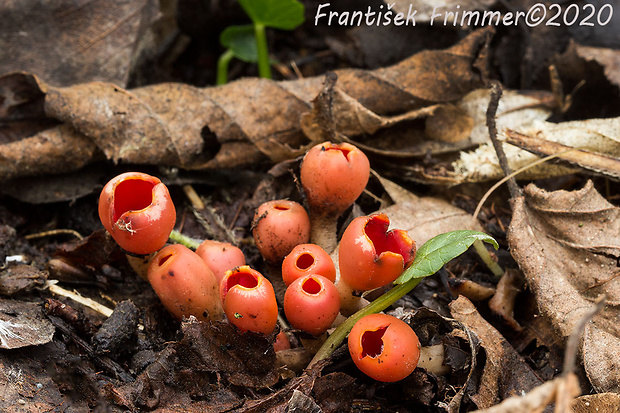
351, 301
323, 231
140, 264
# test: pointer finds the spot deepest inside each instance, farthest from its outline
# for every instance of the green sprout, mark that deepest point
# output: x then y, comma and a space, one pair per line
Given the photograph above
249, 42
431, 256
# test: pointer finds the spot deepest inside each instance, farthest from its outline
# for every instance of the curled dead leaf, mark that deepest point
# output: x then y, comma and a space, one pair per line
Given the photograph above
461, 346
238, 124
504, 300
608, 58
568, 245
505, 373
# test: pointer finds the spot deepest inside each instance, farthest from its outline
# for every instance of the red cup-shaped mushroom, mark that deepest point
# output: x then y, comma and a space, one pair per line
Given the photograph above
333, 176
185, 284
384, 347
307, 259
220, 257
249, 300
137, 211
370, 256
279, 226
311, 304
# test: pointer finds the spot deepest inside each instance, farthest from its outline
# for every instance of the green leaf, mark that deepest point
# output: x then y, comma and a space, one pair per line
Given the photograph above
437, 251
279, 14
242, 42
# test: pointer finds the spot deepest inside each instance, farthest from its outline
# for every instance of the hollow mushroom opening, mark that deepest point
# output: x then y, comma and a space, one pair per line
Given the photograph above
304, 261
132, 195
163, 259
281, 208
345, 152
311, 286
376, 230
372, 342
243, 279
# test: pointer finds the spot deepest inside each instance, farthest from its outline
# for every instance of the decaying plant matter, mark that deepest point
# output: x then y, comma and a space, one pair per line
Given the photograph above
239, 124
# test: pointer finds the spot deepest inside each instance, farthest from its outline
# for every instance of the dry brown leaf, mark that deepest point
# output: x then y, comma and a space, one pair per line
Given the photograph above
517, 109
505, 373
608, 58
461, 348
503, 302
458, 126
597, 403
584, 85
568, 245
449, 123
27, 385
67, 42
238, 124
20, 278
336, 113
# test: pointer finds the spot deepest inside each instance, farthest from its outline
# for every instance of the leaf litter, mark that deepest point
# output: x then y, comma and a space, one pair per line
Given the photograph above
239, 124
568, 244
564, 237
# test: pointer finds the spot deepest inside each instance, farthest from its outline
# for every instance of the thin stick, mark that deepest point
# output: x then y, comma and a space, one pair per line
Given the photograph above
496, 94
231, 226
55, 232
296, 70
379, 304
193, 197
484, 254
100, 308
512, 175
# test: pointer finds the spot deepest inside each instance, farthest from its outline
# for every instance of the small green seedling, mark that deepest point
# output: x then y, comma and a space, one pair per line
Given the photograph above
249, 42
240, 43
433, 255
